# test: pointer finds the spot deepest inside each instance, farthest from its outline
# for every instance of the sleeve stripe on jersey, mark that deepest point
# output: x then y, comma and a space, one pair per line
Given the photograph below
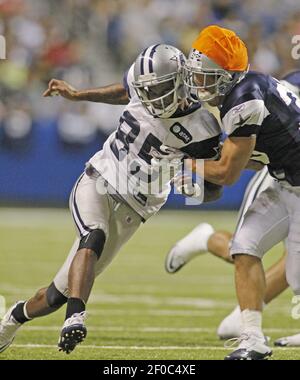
245, 131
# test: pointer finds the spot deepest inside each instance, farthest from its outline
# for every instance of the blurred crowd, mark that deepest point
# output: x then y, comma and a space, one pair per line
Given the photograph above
90, 43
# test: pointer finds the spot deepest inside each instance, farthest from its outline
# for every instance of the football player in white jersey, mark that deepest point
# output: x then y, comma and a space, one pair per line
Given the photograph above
205, 239
124, 184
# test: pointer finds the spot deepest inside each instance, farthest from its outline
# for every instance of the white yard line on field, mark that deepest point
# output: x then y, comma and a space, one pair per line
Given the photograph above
153, 300
133, 298
155, 329
127, 329
191, 348
91, 346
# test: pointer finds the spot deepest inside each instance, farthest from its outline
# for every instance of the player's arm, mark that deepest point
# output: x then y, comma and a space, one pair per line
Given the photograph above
111, 94
241, 122
207, 149
235, 155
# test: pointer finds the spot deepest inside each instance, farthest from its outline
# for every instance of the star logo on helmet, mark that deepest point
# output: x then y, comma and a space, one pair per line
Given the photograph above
174, 58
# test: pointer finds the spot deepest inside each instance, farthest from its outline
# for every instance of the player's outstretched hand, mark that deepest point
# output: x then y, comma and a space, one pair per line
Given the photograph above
62, 88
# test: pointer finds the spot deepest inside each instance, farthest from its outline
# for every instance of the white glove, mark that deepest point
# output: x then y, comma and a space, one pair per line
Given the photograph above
184, 185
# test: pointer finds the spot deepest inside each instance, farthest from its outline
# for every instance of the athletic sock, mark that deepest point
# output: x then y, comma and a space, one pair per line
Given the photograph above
20, 314
252, 321
74, 305
196, 240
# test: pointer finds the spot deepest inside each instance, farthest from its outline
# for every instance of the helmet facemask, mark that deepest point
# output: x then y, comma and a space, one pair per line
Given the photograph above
204, 80
159, 96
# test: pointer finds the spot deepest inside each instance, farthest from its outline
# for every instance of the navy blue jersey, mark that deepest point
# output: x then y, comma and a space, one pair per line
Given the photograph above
260, 105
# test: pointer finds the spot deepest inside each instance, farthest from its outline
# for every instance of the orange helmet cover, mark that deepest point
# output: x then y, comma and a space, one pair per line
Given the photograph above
222, 46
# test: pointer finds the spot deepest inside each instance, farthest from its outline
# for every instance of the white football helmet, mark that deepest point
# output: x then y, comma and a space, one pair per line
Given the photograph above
158, 78
204, 79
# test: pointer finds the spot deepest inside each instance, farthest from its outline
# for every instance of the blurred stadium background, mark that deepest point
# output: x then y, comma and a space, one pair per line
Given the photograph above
44, 144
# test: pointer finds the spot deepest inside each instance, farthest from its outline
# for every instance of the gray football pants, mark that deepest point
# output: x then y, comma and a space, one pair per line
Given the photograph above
91, 210
272, 217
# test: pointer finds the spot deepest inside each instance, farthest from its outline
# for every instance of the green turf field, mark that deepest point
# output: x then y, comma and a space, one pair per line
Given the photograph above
137, 310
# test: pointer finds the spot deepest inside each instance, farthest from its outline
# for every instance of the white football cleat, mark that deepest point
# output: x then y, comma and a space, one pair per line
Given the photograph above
231, 326
8, 328
189, 247
288, 341
252, 346
73, 332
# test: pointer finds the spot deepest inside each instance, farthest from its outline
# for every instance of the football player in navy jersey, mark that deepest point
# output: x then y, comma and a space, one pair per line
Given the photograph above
203, 238
260, 117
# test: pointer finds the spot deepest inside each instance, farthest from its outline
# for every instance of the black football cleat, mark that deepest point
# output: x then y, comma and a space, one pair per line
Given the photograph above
252, 346
72, 333
244, 354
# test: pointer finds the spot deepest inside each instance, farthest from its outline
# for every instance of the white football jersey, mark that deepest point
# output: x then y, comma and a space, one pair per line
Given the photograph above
125, 159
